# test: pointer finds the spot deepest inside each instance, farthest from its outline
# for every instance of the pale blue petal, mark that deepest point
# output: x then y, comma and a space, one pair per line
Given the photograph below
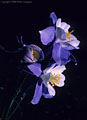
60, 34
67, 46
35, 68
47, 35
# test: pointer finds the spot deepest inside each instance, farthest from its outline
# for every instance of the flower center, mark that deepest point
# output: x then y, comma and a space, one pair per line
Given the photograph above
68, 35
54, 79
35, 54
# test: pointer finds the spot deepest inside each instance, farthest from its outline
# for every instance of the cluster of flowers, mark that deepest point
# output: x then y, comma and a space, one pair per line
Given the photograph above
62, 41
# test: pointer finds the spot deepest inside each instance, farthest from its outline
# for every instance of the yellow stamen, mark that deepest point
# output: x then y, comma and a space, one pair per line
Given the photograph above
35, 54
68, 35
54, 79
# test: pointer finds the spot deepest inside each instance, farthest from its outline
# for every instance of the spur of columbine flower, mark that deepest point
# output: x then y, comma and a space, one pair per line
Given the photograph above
63, 40
51, 76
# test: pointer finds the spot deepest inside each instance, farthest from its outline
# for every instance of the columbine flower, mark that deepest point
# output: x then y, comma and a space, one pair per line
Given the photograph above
51, 76
33, 53
64, 40
60, 32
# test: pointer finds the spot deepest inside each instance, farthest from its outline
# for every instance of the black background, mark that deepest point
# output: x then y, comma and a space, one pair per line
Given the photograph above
27, 19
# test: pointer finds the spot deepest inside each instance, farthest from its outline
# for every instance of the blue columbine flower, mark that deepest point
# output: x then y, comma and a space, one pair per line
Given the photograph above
33, 53
64, 40
48, 78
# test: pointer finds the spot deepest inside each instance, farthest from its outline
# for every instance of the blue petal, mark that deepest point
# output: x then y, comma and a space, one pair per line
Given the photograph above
60, 55
45, 92
35, 68
47, 35
53, 17
37, 94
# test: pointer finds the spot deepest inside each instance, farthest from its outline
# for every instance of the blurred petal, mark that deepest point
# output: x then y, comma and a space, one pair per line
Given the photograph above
47, 35
35, 68
37, 94
60, 55
53, 17
58, 23
51, 90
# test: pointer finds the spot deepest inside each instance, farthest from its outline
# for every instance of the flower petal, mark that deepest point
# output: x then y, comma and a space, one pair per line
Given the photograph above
60, 35
35, 68
58, 69
45, 78
74, 42
60, 55
67, 46
63, 25
60, 82
48, 69
58, 23
53, 17
66, 29
33, 53
46, 93
37, 94
47, 35
51, 90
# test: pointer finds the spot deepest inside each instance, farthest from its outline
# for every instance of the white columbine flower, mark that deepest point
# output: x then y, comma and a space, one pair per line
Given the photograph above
53, 76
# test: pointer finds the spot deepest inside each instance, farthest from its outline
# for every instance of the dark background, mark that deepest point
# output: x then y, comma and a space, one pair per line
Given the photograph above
26, 20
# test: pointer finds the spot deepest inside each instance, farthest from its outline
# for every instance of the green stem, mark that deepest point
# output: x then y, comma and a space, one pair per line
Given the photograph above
16, 107
14, 98
18, 104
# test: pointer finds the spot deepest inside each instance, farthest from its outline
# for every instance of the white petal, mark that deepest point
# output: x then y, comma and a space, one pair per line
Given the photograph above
58, 69
74, 42
62, 77
66, 29
63, 25
58, 23
61, 81
51, 90
61, 84
48, 70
